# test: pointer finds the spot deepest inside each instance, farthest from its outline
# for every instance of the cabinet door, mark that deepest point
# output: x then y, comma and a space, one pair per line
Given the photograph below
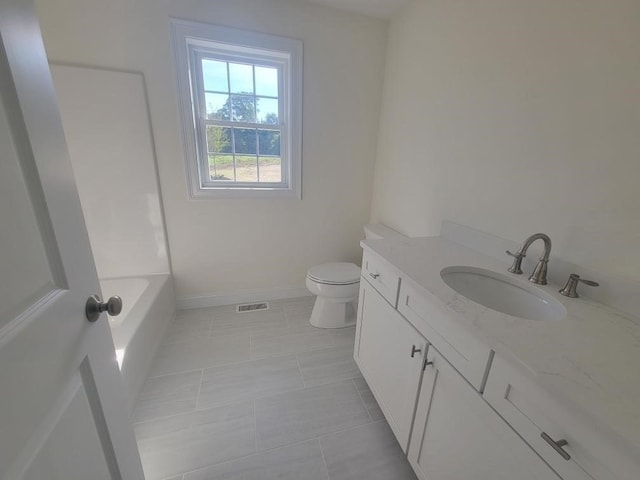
456, 435
535, 416
389, 352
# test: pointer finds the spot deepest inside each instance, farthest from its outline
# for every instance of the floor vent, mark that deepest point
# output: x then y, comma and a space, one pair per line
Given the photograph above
252, 307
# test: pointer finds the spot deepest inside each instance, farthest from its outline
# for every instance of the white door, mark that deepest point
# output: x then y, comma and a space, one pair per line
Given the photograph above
62, 408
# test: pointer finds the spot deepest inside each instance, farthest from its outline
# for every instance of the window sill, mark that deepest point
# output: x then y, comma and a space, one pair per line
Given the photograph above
262, 193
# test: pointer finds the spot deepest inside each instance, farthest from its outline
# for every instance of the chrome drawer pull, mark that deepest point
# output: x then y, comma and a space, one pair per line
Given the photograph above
374, 275
557, 445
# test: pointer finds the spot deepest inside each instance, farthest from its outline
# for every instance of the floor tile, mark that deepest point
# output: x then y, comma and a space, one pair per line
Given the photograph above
188, 328
233, 323
299, 341
266, 345
369, 400
167, 395
367, 452
249, 380
195, 313
328, 365
200, 353
298, 314
343, 336
252, 396
308, 413
301, 461
292, 302
191, 441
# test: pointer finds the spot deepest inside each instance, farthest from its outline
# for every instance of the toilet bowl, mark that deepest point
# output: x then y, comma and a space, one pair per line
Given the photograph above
336, 287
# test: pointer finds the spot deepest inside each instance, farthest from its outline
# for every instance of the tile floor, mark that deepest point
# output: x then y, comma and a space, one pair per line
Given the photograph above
261, 396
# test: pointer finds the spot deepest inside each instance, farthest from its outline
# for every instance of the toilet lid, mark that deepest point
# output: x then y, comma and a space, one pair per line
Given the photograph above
338, 273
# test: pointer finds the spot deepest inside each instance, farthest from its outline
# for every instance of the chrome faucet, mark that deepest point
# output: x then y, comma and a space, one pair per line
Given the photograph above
539, 274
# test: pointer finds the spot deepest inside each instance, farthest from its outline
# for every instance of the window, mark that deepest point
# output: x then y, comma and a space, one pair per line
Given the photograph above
241, 101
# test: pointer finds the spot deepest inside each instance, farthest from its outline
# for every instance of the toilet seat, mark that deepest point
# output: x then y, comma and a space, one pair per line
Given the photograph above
337, 273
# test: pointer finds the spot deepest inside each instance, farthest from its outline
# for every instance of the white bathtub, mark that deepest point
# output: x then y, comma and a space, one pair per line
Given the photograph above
148, 308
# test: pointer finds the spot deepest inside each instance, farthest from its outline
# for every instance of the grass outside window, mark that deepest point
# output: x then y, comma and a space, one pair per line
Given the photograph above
247, 168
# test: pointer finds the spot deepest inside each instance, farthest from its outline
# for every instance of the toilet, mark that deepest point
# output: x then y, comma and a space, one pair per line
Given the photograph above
336, 286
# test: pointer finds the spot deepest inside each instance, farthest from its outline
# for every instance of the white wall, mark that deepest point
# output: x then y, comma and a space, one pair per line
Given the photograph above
220, 246
106, 124
516, 116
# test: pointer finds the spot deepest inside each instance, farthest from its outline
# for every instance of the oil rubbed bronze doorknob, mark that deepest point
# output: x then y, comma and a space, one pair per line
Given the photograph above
95, 307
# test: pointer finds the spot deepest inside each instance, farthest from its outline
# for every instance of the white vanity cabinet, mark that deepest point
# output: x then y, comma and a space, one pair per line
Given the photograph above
456, 435
443, 424
458, 410
389, 352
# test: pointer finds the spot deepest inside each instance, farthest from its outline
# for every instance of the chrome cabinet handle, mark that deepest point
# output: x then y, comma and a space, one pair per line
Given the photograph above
415, 350
557, 445
374, 275
94, 307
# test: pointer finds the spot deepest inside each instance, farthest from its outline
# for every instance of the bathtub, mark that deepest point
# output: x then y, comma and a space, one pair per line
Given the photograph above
148, 308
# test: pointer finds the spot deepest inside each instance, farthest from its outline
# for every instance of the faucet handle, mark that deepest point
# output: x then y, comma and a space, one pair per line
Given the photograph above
516, 267
569, 289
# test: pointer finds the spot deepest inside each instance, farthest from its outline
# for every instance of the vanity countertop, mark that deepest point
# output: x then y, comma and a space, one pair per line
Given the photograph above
589, 361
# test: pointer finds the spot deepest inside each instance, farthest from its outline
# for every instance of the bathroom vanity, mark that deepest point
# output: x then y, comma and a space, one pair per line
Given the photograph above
473, 393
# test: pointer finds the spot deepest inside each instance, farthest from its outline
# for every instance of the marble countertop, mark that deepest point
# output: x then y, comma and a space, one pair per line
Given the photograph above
590, 361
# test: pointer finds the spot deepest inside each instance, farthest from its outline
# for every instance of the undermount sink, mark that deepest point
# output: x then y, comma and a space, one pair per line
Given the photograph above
503, 293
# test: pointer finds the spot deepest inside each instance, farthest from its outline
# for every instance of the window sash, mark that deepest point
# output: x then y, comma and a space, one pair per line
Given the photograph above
206, 178
201, 120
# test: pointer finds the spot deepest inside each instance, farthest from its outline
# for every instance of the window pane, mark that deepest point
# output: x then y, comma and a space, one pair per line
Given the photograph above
269, 141
267, 110
241, 77
270, 169
221, 167
267, 81
217, 106
218, 139
243, 108
245, 141
246, 169
214, 74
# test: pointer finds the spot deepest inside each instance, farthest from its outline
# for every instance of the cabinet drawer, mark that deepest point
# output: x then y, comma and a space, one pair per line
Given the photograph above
382, 276
467, 354
541, 420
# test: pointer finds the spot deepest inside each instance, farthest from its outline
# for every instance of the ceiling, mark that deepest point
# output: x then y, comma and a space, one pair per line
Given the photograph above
375, 8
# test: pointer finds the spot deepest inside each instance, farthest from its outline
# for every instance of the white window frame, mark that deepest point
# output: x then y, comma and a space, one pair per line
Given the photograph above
193, 41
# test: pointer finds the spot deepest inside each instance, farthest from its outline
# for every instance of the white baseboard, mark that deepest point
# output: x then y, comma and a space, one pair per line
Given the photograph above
246, 296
